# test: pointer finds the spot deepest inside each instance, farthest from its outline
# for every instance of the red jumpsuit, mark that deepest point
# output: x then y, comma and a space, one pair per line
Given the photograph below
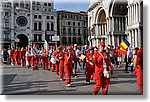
100, 80
17, 56
61, 64
139, 70
68, 67
12, 56
89, 66
44, 58
23, 52
57, 63
34, 58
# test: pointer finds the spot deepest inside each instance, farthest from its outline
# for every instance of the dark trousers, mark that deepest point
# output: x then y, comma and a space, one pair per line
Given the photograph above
127, 65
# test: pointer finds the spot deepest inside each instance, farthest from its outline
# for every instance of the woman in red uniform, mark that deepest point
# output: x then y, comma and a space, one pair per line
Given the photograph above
119, 57
12, 56
22, 52
61, 62
89, 64
102, 64
17, 56
138, 67
68, 58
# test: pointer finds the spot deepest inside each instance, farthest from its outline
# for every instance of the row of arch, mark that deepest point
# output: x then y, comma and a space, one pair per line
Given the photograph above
110, 24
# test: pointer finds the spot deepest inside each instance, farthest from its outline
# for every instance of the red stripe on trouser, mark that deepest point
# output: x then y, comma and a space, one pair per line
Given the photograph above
61, 70
89, 72
57, 68
29, 60
45, 63
12, 60
68, 72
34, 61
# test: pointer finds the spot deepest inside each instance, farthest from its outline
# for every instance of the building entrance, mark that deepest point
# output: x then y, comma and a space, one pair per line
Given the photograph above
21, 41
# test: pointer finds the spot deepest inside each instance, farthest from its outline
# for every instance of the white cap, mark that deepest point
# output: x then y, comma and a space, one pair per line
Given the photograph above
95, 49
75, 44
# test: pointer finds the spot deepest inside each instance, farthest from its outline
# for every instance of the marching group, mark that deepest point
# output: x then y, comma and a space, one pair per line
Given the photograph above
98, 62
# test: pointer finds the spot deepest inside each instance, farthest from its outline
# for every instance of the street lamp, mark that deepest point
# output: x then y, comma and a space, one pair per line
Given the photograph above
17, 40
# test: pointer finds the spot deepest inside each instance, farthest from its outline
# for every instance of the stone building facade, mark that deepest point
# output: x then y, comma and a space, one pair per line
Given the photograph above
72, 27
31, 21
111, 21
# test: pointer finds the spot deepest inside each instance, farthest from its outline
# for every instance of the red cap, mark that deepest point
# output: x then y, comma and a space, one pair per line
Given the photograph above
101, 44
60, 47
69, 48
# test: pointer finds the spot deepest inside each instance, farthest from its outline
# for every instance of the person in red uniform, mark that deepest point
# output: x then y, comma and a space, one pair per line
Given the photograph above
119, 57
44, 58
89, 64
34, 57
17, 56
57, 61
61, 62
138, 67
101, 76
12, 56
23, 52
68, 58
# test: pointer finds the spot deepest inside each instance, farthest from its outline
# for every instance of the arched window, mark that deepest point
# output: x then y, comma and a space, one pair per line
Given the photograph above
52, 27
35, 26
47, 26
40, 26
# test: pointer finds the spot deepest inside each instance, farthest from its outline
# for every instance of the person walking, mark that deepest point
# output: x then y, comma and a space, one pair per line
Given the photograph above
102, 64
68, 58
138, 67
89, 64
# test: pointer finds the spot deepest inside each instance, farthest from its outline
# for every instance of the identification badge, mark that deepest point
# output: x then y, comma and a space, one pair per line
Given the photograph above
104, 65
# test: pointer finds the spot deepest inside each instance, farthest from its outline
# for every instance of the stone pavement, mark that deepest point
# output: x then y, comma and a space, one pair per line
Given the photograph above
24, 81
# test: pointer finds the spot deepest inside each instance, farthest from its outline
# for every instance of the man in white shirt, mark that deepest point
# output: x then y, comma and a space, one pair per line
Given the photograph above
34, 57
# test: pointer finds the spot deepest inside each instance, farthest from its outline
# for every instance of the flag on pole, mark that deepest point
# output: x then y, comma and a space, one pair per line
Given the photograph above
125, 44
46, 47
123, 51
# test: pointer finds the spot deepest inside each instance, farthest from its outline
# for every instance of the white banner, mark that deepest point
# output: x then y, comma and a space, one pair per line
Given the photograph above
55, 38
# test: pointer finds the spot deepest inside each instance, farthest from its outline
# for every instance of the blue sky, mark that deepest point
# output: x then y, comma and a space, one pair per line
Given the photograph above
71, 5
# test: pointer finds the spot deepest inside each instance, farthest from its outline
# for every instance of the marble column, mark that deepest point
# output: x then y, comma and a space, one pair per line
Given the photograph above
128, 15
132, 14
96, 29
119, 20
113, 24
139, 13
133, 38
105, 28
100, 29
136, 38
107, 25
139, 38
